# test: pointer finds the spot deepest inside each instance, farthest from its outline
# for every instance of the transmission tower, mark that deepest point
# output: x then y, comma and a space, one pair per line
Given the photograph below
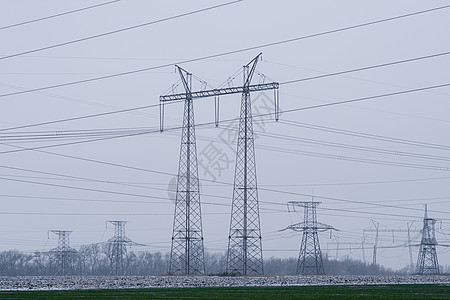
244, 247
118, 247
187, 253
244, 256
310, 258
427, 262
64, 252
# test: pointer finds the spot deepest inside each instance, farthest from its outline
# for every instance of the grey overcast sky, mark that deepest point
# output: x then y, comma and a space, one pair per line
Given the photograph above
380, 159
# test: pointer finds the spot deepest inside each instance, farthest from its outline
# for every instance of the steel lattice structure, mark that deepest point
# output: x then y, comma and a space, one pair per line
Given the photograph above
427, 261
310, 258
244, 256
118, 248
187, 253
244, 247
64, 253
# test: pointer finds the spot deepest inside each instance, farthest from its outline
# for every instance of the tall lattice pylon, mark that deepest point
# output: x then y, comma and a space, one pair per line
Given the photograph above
310, 258
64, 253
244, 247
187, 253
427, 262
118, 248
244, 256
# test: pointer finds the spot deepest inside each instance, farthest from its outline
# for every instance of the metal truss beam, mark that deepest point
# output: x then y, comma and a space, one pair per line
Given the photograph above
220, 92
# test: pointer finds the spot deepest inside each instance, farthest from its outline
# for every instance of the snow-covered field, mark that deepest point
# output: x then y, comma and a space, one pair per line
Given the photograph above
111, 282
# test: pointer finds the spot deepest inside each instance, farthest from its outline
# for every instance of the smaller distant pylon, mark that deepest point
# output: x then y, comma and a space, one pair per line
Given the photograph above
427, 262
310, 258
118, 248
64, 253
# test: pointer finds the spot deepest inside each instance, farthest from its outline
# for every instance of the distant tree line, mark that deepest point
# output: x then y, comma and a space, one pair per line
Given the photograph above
95, 260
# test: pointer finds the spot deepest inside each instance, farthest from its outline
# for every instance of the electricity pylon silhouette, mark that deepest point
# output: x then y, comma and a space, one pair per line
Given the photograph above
427, 261
310, 258
118, 247
244, 246
244, 256
63, 252
187, 253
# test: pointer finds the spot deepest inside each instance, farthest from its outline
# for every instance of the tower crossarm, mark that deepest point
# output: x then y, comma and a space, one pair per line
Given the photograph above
220, 92
303, 226
125, 240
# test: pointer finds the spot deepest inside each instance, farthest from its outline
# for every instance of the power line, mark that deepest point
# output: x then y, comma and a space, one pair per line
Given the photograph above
264, 189
172, 175
122, 30
93, 214
106, 214
77, 199
45, 133
321, 155
69, 135
223, 53
109, 192
339, 200
370, 213
416, 199
40, 136
130, 134
294, 151
85, 117
85, 179
365, 68
70, 177
357, 159
140, 133
206, 203
406, 155
366, 135
268, 210
369, 97
66, 98
57, 15
361, 182
286, 111
62, 137
169, 173
356, 216
260, 115
157, 105
77, 142
82, 188
354, 147
104, 181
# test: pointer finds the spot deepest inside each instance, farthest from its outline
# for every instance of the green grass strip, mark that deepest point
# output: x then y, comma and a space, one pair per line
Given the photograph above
419, 291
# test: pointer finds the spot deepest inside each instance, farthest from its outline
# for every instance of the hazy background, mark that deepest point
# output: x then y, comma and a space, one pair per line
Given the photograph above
357, 179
